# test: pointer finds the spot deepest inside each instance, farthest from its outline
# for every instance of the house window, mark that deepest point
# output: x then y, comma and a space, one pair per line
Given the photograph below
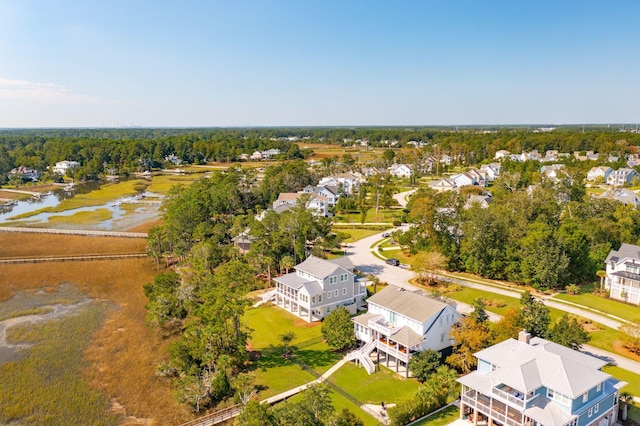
596, 407
585, 397
590, 412
599, 387
442, 337
335, 293
333, 279
344, 291
319, 298
328, 295
313, 299
343, 277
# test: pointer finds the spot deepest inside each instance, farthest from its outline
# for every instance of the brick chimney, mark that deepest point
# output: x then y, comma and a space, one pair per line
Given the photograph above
524, 337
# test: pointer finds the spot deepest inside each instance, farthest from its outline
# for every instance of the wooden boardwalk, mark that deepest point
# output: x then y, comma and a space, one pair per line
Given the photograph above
217, 417
84, 257
75, 232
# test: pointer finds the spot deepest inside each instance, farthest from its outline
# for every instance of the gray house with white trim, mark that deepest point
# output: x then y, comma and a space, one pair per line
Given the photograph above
319, 286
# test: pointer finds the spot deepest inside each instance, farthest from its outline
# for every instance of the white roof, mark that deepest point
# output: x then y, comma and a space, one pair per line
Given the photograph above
543, 363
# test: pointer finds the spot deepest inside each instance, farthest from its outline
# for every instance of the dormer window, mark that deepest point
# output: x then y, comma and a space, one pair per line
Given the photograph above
333, 279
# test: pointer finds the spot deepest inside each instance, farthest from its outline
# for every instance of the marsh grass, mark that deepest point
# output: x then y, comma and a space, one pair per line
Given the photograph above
83, 218
122, 354
32, 245
46, 386
34, 311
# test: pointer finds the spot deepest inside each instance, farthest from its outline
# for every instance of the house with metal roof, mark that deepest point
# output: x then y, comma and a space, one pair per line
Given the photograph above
399, 323
623, 273
319, 286
535, 382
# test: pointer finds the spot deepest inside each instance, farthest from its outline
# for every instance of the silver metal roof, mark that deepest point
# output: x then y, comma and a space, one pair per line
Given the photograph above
412, 305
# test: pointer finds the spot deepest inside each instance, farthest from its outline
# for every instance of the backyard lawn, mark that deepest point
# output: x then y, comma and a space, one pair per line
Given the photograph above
269, 322
383, 385
356, 234
442, 418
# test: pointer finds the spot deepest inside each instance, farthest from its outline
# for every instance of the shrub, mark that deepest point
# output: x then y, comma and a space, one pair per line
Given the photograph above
573, 289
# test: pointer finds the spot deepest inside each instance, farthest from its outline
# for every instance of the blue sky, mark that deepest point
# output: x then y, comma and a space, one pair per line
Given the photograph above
188, 63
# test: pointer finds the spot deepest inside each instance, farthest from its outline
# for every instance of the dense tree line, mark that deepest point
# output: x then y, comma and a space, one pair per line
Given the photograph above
202, 301
125, 150
548, 236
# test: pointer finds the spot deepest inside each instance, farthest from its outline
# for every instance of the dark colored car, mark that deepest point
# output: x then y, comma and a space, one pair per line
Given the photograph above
393, 262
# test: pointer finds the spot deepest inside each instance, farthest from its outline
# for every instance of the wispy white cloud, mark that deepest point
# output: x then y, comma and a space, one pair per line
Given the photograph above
43, 93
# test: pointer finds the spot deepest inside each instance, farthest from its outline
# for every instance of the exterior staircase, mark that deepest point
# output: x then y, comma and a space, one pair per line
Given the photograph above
265, 297
362, 355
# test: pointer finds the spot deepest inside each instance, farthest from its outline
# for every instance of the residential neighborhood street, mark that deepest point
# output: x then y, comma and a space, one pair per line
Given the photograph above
366, 262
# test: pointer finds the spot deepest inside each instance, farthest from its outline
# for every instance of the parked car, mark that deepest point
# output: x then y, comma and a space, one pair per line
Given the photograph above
393, 262
385, 235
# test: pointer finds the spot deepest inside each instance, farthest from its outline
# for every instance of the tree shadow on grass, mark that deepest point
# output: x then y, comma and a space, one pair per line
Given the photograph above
271, 357
315, 359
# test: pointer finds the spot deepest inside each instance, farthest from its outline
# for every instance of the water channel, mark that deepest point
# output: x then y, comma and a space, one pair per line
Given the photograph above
138, 210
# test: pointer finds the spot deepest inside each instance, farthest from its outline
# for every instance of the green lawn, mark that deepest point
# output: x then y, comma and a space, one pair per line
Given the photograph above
355, 234
442, 418
602, 339
383, 385
632, 379
340, 402
269, 322
384, 215
609, 306
275, 374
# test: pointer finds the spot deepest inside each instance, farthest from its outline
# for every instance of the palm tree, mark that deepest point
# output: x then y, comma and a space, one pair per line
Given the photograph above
286, 263
601, 274
625, 399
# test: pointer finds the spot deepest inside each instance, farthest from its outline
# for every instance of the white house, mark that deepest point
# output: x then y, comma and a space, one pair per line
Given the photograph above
464, 179
441, 185
399, 323
327, 191
400, 170
503, 153
317, 203
492, 170
599, 173
318, 287
623, 273
25, 173
61, 167
347, 183
622, 177
553, 171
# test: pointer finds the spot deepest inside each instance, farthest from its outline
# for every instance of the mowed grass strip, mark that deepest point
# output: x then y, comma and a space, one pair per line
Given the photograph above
441, 418
604, 338
33, 245
633, 379
609, 306
47, 385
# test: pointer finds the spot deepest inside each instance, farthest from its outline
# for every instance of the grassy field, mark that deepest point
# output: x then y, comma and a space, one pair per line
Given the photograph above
384, 385
384, 215
442, 418
27, 244
355, 234
632, 379
610, 306
121, 355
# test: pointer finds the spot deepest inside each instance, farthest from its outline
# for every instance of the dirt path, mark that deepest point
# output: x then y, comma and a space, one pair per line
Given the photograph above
8, 351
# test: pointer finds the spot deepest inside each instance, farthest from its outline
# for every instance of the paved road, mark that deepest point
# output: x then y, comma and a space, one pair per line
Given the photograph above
402, 197
360, 255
